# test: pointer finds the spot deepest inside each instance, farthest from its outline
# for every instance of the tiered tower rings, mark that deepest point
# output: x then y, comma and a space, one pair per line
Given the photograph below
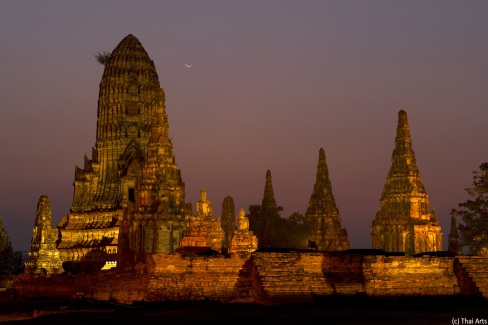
405, 222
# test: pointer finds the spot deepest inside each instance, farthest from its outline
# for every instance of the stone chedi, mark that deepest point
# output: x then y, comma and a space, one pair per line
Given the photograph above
130, 101
405, 222
268, 203
204, 229
228, 219
268, 215
43, 256
243, 240
326, 231
454, 245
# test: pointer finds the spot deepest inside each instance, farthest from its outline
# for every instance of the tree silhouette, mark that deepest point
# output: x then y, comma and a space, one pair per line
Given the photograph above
10, 262
102, 57
474, 213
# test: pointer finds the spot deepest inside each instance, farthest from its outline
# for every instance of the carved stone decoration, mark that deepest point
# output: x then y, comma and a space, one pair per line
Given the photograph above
242, 221
154, 221
405, 222
43, 256
326, 232
243, 240
203, 206
125, 177
204, 230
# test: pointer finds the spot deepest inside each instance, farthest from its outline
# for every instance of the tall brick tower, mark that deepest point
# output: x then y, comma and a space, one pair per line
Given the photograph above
228, 219
268, 203
322, 213
405, 222
130, 100
265, 226
153, 221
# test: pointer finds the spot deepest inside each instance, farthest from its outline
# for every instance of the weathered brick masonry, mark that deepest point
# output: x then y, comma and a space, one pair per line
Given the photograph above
266, 278
300, 277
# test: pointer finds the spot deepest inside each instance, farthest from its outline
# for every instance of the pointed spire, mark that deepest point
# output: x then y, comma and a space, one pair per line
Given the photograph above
454, 245
322, 171
322, 193
404, 203
403, 132
265, 226
159, 130
269, 201
403, 157
43, 211
43, 256
322, 212
404, 176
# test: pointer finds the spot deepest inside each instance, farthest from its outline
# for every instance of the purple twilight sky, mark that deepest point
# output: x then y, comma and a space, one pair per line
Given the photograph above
271, 82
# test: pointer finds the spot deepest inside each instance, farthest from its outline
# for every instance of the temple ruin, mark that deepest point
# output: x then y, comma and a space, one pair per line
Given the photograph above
405, 222
131, 181
43, 258
454, 244
130, 219
326, 233
228, 219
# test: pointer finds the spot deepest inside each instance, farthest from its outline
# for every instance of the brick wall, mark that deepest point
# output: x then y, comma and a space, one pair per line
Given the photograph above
401, 275
178, 278
300, 277
263, 277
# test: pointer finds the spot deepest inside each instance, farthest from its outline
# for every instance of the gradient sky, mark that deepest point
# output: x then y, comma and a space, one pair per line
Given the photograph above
271, 83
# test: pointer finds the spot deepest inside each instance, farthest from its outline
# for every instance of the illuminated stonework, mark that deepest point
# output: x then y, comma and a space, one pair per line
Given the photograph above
204, 229
203, 206
154, 219
109, 265
117, 175
322, 213
243, 240
43, 256
405, 222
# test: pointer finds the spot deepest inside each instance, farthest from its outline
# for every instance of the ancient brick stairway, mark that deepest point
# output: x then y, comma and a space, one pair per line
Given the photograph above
280, 279
292, 277
244, 285
476, 269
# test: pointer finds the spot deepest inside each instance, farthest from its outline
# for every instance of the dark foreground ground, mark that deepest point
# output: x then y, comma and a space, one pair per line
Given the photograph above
333, 310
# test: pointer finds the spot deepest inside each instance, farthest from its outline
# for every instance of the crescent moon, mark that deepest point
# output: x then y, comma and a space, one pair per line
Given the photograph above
188, 65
